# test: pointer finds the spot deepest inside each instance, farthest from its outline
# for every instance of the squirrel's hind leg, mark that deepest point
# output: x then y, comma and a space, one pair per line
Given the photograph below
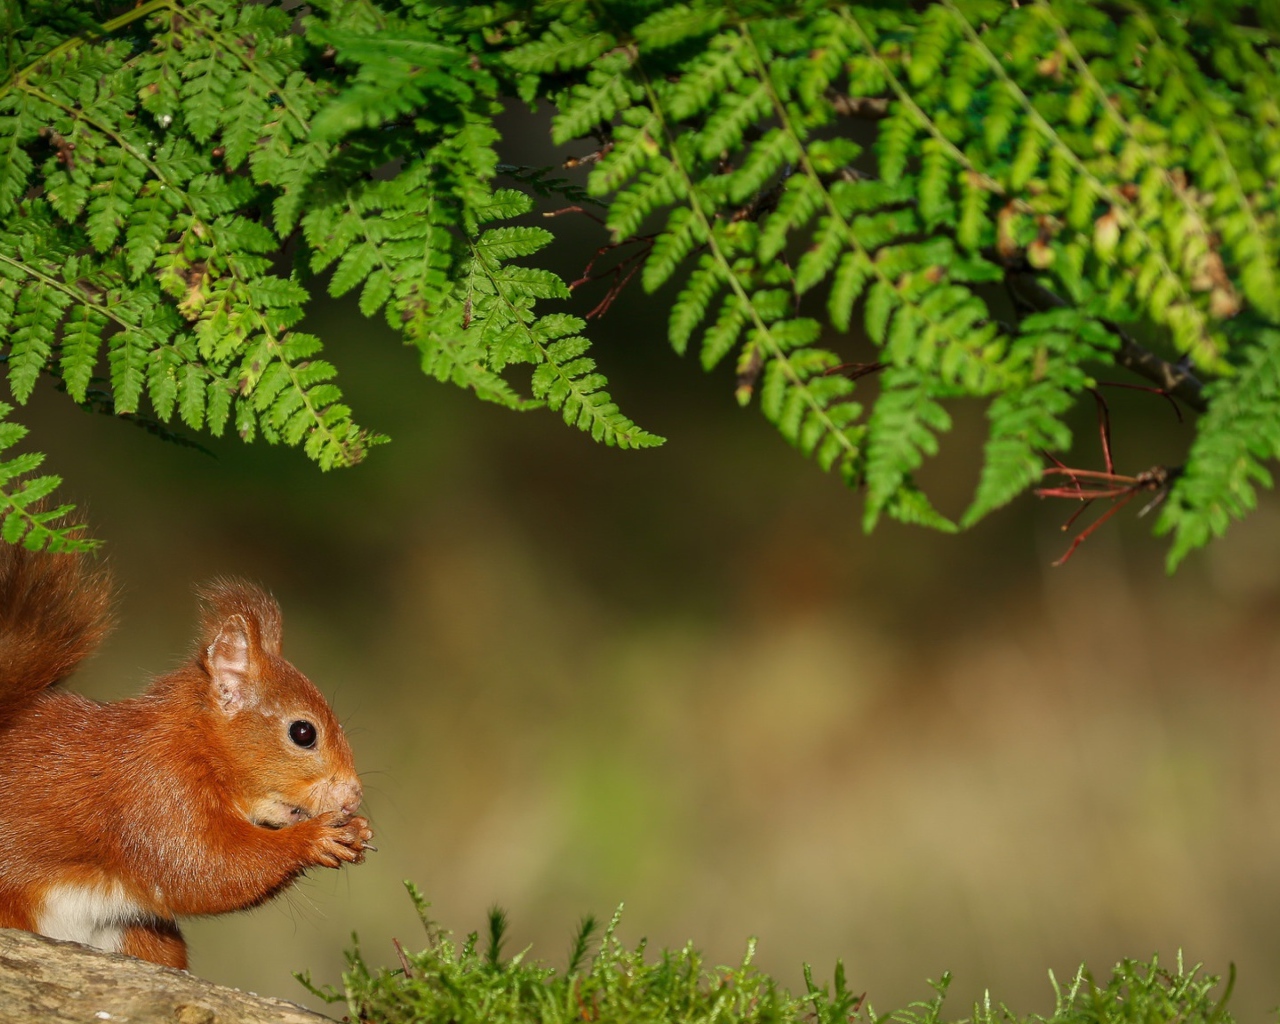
158, 941
15, 909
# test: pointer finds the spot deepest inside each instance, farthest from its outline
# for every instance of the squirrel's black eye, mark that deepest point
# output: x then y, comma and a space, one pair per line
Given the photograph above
303, 733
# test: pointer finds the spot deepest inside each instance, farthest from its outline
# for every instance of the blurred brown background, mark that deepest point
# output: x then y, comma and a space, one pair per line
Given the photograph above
685, 680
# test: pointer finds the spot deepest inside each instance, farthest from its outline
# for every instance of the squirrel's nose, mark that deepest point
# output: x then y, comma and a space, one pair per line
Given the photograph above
348, 794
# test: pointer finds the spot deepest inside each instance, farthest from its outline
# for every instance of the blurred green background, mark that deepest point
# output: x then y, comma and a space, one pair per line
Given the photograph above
684, 679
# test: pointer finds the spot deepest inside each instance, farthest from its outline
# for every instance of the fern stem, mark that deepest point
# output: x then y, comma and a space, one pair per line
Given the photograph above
75, 293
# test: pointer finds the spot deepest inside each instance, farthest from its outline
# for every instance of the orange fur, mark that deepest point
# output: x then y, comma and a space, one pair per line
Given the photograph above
192, 798
54, 611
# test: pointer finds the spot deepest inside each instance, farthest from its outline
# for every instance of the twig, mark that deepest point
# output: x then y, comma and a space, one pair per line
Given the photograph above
1177, 409
855, 370
1086, 485
573, 209
1104, 428
405, 965
622, 272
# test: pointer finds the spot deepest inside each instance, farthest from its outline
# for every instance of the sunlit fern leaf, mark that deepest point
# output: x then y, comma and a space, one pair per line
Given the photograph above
149, 221
18, 125
1051, 351
910, 505
398, 73
1024, 425
567, 382
162, 381
499, 244
208, 73
678, 23
937, 169
895, 140
931, 44
218, 395
737, 109
820, 258
806, 397
456, 355
632, 147
902, 431
607, 92
26, 516
721, 336
117, 187
244, 116
847, 285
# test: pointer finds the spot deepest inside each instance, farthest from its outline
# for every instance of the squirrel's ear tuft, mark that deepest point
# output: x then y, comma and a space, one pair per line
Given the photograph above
240, 623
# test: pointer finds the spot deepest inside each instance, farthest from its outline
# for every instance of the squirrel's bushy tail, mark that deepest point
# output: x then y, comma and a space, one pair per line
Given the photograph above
54, 610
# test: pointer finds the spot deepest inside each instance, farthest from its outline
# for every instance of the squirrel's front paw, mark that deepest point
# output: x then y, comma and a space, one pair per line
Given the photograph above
341, 839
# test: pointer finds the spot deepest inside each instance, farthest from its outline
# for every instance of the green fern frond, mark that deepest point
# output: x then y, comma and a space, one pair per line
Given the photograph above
694, 301
678, 23
1054, 348
708, 75
562, 47
1114, 169
498, 303
566, 380
81, 342
1226, 463
806, 397
456, 354
27, 518
901, 432
683, 233
606, 93
36, 315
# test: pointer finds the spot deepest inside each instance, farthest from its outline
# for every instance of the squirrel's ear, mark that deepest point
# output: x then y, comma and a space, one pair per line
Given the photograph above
227, 660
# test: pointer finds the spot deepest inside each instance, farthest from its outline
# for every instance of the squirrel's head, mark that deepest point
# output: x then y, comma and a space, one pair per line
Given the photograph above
286, 750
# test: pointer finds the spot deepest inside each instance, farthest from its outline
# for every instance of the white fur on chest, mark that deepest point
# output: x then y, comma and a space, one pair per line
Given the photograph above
95, 915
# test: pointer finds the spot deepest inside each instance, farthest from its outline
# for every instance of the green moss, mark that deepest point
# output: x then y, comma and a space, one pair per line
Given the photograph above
474, 982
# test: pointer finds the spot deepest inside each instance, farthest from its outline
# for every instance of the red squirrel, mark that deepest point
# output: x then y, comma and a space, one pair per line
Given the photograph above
210, 792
